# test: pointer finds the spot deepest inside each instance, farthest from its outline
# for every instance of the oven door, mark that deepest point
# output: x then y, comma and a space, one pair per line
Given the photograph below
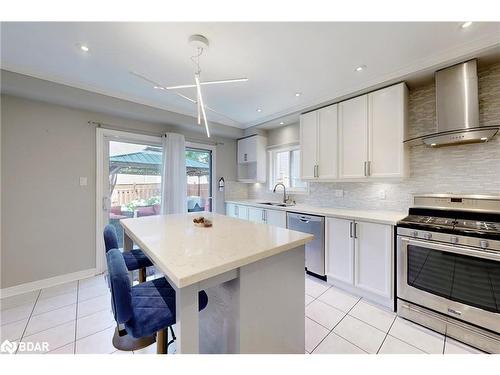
457, 281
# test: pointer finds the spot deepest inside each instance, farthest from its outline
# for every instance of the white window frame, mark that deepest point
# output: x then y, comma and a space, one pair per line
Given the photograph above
271, 168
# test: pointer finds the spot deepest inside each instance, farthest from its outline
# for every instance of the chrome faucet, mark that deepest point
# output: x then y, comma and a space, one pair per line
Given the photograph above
285, 198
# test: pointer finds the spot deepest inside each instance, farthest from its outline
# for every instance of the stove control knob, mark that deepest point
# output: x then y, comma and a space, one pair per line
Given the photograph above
454, 239
484, 244
427, 236
415, 234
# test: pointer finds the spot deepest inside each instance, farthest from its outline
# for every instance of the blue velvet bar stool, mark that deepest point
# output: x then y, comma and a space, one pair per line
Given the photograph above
145, 309
134, 259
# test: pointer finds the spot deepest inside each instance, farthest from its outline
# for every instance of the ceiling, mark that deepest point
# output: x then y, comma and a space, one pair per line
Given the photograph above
280, 59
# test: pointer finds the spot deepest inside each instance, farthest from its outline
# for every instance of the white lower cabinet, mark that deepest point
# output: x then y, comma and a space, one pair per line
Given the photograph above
276, 218
257, 215
360, 256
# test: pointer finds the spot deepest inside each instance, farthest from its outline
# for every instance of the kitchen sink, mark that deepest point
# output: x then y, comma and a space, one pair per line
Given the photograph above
276, 204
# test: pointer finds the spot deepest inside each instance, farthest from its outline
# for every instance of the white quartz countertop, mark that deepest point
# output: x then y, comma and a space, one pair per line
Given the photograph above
188, 254
374, 216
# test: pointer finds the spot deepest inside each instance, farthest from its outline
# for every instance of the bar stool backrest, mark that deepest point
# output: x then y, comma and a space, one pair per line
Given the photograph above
120, 286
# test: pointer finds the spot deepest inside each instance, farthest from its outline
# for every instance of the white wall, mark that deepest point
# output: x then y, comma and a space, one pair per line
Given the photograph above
47, 219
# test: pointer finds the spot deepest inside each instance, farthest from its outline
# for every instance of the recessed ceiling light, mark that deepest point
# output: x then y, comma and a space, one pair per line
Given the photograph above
282, 123
159, 88
259, 110
466, 24
84, 48
484, 138
298, 94
360, 68
433, 145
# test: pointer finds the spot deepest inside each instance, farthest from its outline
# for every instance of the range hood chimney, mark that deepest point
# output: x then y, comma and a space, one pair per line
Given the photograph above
457, 108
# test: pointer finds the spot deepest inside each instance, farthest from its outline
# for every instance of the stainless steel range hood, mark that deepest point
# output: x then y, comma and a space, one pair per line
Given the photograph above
457, 108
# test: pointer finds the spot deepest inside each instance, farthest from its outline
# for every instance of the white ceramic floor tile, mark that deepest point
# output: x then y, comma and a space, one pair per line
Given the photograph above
53, 303
93, 305
66, 349
98, 280
67, 288
92, 292
13, 331
339, 299
315, 287
51, 319
373, 315
94, 323
19, 300
309, 299
360, 334
393, 345
423, 338
98, 343
334, 344
314, 334
324, 314
16, 314
56, 337
452, 346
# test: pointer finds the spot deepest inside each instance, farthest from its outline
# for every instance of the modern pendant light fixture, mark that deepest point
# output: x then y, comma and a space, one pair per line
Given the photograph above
200, 43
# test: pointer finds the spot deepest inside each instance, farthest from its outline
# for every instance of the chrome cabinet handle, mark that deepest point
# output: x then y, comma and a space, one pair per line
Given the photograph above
350, 229
364, 171
368, 168
316, 173
355, 230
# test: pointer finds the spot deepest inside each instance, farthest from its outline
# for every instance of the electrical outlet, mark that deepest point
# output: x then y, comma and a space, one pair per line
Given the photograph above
83, 181
381, 194
339, 193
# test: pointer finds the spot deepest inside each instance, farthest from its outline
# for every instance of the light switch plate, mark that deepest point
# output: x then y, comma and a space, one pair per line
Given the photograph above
83, 181
339, 193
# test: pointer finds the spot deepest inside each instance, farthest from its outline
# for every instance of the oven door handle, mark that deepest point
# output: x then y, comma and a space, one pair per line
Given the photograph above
455, 249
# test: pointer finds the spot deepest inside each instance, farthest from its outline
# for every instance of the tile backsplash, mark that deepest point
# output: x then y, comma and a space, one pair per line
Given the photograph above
467, 169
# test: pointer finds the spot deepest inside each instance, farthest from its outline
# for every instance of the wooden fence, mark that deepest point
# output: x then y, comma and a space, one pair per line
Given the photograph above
126, 193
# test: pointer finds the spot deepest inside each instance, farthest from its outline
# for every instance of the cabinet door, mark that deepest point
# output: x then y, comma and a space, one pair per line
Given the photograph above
256, 214
339, 249
373, 258
386, 125
242, 212
247, 150
328, 143
353, 137
308, 145
231, 210
276, 218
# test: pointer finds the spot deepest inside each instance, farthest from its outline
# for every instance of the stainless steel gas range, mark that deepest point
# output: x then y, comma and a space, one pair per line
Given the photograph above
448, 267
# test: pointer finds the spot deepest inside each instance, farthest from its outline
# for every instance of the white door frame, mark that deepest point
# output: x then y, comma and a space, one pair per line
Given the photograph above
102, 136
213, 149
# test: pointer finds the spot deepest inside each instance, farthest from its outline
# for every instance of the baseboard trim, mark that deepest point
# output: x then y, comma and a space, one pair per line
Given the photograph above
46, 283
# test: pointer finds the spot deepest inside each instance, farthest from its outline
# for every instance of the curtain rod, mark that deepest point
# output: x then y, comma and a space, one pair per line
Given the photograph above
103, 125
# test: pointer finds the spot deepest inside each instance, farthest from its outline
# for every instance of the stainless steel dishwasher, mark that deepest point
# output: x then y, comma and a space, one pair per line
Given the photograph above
315, 250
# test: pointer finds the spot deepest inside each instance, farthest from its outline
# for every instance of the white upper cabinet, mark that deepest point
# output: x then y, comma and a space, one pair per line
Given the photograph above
386, 132
308, 145
252, 159
353, 138
327, 142
318, 144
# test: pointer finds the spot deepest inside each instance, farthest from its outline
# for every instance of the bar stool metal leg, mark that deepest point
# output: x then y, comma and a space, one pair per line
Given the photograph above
142, 275
161, 341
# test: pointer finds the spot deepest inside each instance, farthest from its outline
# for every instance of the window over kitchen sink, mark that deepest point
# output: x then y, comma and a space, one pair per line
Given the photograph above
285, 168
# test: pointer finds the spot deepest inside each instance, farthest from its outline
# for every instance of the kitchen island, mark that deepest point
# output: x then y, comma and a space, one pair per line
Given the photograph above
253, 274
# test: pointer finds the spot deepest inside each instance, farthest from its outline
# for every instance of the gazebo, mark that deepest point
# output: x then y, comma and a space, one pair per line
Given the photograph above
148, 163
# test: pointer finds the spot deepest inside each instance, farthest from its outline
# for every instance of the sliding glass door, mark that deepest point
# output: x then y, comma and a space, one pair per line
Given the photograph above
199, 171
